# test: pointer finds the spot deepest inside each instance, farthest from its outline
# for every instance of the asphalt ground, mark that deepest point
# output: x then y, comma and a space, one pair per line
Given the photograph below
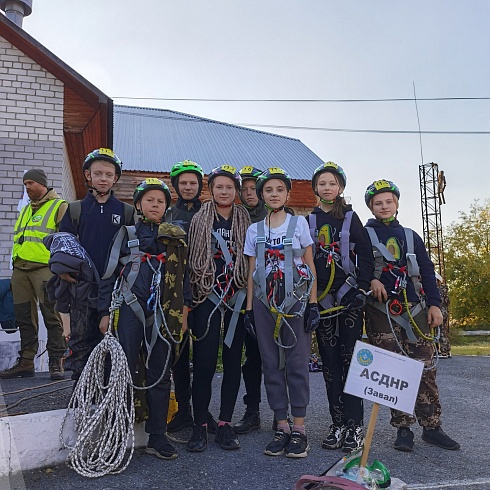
465, 393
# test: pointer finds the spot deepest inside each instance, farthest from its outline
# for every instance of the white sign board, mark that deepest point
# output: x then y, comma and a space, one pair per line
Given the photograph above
384, 377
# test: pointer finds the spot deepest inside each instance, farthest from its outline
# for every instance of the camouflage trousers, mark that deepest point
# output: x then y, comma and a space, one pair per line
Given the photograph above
427, 405
444, 346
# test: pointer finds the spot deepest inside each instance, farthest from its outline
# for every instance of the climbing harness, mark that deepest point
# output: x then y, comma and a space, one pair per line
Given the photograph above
223, 295
123, 292
402, 312
285, 288
337, 253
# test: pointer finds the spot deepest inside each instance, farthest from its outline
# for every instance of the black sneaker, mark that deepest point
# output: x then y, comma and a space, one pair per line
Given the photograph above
335, 437
354, 439
278, 445
212, 424
298, 446
159, 445
180, 420
226, 437
199, 439
404, 439
250, 421
56, 371
438, 437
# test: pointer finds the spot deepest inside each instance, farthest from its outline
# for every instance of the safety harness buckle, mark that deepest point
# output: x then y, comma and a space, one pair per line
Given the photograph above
351, 281
133, 243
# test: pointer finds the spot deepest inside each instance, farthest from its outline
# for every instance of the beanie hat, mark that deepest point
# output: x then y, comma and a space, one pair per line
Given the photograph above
37, 175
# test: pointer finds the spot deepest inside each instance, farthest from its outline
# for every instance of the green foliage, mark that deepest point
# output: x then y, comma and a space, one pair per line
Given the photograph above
467, 261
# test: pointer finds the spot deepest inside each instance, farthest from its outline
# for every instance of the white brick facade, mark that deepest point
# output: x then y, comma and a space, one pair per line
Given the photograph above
31, 136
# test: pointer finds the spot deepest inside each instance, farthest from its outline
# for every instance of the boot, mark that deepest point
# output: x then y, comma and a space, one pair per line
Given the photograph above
22, 368
56, 370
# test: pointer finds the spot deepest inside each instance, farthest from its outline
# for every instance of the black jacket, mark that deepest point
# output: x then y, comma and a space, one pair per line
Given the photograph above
68, 256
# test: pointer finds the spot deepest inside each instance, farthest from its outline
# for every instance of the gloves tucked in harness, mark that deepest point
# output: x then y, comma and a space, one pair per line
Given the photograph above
249, 323
312, 317
354, 299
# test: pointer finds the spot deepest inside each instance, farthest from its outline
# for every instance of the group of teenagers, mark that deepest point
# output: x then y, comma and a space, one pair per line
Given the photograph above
196, 274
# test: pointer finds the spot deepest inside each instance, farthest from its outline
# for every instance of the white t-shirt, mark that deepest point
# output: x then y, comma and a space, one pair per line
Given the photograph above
274, 240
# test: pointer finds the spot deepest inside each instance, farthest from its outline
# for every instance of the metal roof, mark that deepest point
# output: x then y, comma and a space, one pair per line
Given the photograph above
155, 139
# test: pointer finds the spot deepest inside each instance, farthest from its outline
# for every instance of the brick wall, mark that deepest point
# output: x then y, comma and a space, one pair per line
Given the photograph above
31, 136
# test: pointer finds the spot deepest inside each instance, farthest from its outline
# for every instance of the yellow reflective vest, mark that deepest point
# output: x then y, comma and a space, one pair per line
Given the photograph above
30, 230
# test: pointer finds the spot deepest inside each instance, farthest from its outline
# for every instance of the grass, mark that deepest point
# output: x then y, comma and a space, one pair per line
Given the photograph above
478, 345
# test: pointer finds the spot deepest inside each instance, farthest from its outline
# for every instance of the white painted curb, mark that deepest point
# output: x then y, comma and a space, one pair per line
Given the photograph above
33, 440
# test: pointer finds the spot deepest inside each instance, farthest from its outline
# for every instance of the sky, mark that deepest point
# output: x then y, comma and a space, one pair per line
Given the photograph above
298, 50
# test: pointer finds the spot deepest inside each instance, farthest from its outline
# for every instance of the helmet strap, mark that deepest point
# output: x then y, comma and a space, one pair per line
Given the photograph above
93, 190
274, 210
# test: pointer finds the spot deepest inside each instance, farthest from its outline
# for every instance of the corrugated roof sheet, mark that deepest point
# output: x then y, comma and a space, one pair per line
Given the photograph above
155, 139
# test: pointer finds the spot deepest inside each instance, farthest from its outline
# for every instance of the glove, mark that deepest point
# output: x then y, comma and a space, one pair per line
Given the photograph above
312, 317
354, 299
249, 323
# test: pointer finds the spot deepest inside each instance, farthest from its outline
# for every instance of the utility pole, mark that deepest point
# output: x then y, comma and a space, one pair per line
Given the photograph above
432, 186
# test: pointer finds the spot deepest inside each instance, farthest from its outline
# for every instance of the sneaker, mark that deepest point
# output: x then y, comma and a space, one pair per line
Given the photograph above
159, 445
404, 439
56, 371
22, 368
279, 444
212, 424
199, 439
354, 439
250, 421
335, 437
298, 446
438, 437
226, 437
180, 420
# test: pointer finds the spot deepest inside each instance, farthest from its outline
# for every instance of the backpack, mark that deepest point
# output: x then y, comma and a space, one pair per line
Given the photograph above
75, 209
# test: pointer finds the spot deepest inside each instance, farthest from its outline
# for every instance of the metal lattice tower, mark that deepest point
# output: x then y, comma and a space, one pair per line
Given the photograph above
432, 186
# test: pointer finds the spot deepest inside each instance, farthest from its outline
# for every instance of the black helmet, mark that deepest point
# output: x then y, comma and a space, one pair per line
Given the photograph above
148, 184
249, 172
103, 154
332, 168
379, 186
228, 171
272, 173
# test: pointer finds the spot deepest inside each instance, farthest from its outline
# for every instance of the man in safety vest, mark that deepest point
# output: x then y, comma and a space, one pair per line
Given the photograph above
30, 274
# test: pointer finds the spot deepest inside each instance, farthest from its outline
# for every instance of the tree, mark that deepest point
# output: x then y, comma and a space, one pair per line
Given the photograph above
467, 264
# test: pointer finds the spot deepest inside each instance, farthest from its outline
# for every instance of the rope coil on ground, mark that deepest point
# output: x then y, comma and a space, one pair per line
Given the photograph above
103, 414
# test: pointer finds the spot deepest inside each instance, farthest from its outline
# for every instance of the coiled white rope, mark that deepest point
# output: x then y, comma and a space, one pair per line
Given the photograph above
103, 414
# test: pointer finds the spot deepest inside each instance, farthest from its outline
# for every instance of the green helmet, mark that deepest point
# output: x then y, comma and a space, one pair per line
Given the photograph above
332, 168
272, 173
227, 171
148, 184
103, 154
185, 166
249, 172
379, 186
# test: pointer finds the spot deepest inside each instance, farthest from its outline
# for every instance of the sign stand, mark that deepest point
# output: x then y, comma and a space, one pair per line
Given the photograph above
385, 378
369, 436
